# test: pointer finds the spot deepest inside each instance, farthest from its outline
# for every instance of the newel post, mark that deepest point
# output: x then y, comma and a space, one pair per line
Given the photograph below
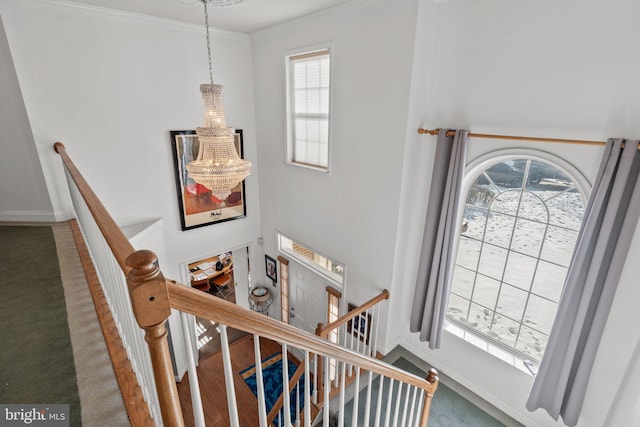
150, 302
432, 378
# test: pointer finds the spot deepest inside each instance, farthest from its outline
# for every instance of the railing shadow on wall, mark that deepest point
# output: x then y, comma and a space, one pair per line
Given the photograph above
141, 298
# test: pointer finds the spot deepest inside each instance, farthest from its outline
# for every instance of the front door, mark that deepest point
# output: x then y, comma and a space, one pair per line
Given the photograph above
307, 298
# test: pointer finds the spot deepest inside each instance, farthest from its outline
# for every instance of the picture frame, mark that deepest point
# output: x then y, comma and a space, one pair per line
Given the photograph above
359, 326
270, 266
198, 206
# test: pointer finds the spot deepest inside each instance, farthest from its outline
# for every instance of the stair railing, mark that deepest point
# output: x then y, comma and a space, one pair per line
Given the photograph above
152, 297
357, 330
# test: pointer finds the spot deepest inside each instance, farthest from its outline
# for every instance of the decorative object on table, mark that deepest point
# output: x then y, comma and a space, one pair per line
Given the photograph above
260, 300
198, 205
218, 167
359, 326
270, 264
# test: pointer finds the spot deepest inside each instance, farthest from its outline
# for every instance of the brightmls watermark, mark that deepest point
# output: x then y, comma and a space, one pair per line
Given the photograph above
54, 415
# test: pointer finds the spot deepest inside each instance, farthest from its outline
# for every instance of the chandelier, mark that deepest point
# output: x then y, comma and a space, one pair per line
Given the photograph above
218, 166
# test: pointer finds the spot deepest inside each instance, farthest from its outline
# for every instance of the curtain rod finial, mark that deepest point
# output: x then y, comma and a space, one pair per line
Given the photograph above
423, 131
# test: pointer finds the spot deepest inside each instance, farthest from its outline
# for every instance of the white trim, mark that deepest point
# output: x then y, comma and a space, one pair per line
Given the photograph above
135, 16
288, 126
33, 216
474, 167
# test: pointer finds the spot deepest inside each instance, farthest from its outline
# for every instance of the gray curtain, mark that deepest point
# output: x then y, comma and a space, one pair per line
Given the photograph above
609, 223
440, 237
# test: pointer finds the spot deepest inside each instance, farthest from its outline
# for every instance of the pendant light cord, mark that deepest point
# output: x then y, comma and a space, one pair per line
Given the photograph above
206, 24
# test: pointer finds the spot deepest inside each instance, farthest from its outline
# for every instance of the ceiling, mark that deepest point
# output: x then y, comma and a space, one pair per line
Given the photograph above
248, 17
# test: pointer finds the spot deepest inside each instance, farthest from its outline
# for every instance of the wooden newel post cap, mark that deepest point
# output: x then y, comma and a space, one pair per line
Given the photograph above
147, 288
432, 378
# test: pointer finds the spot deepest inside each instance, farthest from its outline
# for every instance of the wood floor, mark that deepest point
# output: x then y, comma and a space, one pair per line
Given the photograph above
212, 385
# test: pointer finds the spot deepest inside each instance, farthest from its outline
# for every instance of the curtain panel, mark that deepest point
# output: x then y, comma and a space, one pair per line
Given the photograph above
439, 242
607, 229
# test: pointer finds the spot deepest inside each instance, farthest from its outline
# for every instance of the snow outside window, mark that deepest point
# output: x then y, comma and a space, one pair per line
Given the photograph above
520, 226
308, 91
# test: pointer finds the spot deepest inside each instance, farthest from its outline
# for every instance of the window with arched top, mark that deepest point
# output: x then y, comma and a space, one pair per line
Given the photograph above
521, 221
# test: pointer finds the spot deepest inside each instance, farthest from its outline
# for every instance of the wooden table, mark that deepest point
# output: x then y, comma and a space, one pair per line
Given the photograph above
202, 272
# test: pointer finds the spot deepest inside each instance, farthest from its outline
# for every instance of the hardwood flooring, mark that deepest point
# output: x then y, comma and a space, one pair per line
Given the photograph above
212, 385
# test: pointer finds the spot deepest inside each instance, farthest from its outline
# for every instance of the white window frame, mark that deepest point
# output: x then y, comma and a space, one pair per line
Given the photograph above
289, 123
335, 278
473, 171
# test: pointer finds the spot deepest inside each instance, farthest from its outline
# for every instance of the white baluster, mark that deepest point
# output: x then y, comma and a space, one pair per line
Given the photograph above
387, 415
285, 386
356, 398
315, 376
367, 408
375, 335
228, 377
419, 408
262, 407
194, 386
376, 422
307, 392
410, 390
398, 399
327, 386
298, 404
413, 405
342, 386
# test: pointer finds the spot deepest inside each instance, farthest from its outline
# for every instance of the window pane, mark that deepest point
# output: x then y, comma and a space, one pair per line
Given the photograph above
520, 270
492, 261
540, 314
531, 207
458, 308
507, 202
505, 330
463, 282
481, 195
486, 291
499, 229
512, 302
549, 281
475, 220
528, 237
566, 210
558, 245
480, 318
468, 251
531, 343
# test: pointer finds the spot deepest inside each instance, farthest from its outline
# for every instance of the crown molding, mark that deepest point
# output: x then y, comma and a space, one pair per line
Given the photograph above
132, 16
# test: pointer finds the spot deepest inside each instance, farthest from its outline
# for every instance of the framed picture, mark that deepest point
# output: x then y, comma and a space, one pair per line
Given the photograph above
198, 206
359, 326
272, 273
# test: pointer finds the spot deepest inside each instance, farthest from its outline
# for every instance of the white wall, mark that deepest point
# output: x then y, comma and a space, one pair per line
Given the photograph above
349, 214
110, 86
23, 192
549, 68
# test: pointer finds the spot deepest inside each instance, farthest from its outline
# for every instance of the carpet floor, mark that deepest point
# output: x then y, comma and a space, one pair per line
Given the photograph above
36, 358
448, 409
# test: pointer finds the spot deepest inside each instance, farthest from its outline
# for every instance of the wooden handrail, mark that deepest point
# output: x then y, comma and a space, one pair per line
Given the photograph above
192, 301
324, 330
115, 238
292, 383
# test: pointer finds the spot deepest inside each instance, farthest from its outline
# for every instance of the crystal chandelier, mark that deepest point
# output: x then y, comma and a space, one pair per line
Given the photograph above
218, 166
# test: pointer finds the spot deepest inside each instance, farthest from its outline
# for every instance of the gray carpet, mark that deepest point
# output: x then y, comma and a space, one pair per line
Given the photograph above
36, 359
448, 409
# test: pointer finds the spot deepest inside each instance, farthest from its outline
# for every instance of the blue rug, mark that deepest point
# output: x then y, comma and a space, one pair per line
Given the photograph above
272, 379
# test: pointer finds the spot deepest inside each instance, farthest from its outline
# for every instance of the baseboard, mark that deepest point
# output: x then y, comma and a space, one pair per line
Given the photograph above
28, 216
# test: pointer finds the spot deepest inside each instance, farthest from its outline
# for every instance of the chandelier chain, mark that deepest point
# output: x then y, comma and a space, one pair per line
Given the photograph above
206, 24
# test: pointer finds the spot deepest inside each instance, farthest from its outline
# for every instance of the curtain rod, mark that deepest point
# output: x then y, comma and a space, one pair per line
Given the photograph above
422, 131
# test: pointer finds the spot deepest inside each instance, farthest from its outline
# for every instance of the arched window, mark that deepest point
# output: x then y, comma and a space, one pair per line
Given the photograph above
521, 222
